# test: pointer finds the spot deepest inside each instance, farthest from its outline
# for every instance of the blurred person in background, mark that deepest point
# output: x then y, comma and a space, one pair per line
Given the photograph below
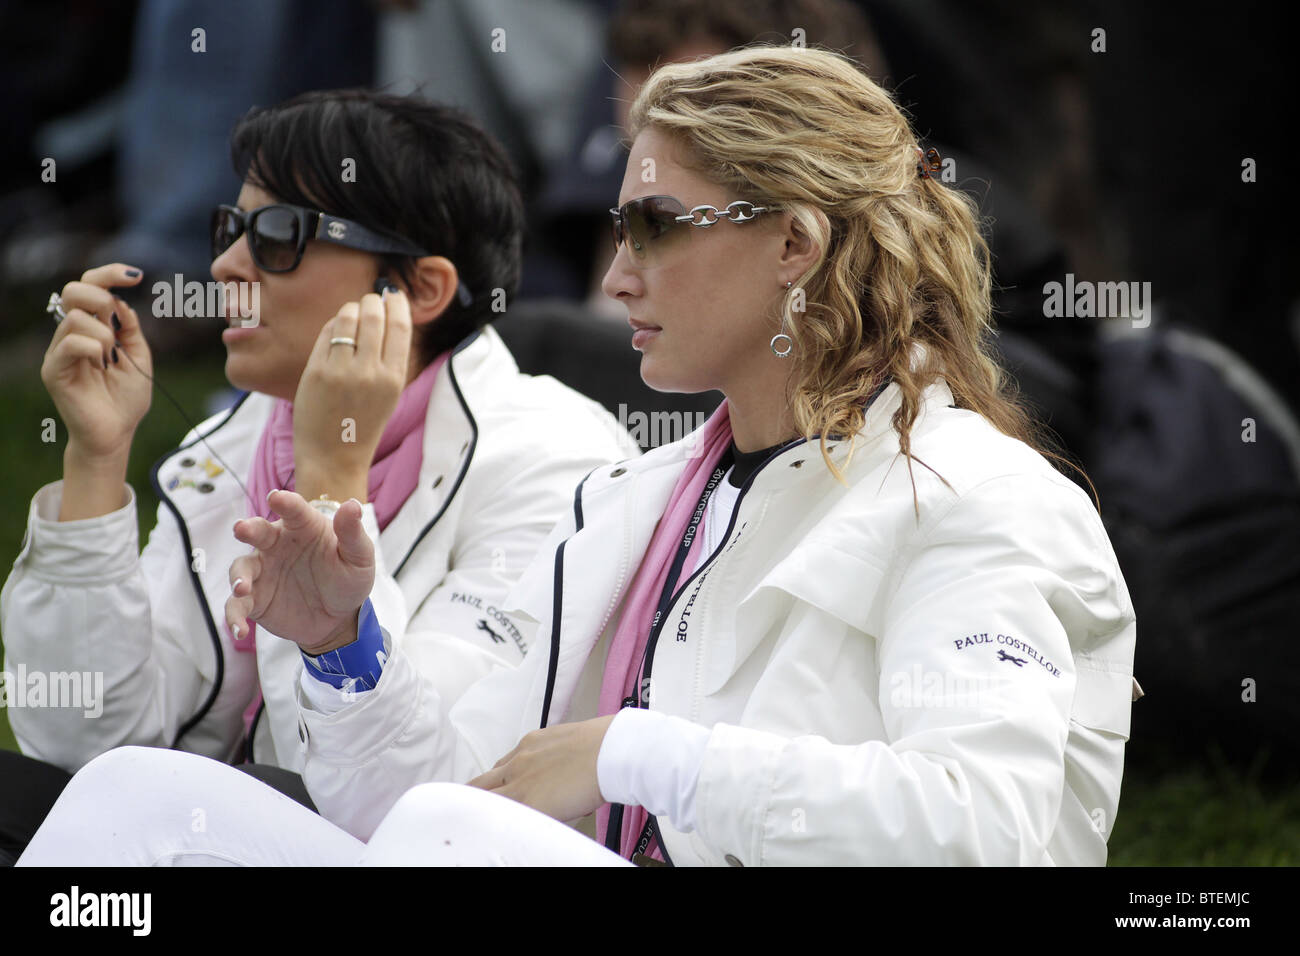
514, 65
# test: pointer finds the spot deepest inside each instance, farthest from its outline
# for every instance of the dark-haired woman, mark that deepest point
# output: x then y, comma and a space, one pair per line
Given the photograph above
407, 403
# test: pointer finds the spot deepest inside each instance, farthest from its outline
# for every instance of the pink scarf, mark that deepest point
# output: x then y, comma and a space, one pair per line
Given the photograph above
627, 650
393, 474
396, 467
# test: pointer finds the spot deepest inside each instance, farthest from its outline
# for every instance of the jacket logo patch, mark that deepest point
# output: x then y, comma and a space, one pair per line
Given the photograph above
1015, 644
195, 474
484, 626
492, 614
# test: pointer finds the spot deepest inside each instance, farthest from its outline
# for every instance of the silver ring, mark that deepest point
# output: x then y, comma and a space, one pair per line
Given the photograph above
344, 341
789, 345
55, 307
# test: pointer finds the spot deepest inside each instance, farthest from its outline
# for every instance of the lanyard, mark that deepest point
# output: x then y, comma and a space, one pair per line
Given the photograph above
614, 835
667, 596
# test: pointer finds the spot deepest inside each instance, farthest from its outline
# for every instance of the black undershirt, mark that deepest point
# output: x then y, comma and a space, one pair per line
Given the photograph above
747, 462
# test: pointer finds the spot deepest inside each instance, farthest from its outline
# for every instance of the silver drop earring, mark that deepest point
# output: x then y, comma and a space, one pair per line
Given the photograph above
789, 342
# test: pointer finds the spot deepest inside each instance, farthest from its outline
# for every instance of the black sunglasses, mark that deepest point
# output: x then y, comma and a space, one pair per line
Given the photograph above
653, 225
278, 234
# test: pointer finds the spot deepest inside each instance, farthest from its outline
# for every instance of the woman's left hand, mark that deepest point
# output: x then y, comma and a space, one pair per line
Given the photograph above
552, 770
346, 396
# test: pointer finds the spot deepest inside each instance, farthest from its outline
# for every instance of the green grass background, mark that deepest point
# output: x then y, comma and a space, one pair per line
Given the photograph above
1200, 813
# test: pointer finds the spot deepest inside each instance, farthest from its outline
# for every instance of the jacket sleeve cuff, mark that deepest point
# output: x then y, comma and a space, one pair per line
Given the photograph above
100, 550
735, 789
356, 730
653, 760
356, 666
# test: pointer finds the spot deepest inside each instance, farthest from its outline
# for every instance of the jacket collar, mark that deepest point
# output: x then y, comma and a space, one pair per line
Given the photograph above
477, 367
658, 469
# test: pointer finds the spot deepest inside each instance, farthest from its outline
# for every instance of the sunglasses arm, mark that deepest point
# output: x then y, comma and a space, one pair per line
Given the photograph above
345, 232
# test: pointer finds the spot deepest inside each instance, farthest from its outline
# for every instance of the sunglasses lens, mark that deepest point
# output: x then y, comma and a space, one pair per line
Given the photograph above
275, 238
650, 227
227, 226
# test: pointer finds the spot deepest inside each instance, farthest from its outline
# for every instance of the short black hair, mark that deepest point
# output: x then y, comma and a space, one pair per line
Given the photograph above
423, 171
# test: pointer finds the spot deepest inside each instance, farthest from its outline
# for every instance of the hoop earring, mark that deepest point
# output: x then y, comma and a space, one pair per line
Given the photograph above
789, 342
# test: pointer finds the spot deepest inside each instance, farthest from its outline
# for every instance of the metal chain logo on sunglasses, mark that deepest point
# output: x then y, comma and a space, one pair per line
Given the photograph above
738, 211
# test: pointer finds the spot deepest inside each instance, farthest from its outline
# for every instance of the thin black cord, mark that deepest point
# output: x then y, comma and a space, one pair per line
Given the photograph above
194, 428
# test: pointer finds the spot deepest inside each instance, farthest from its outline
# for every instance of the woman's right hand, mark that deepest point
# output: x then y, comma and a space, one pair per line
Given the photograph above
101, 399
308, 577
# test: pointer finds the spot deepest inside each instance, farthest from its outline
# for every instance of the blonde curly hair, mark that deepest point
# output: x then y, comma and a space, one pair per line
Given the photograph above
902, 262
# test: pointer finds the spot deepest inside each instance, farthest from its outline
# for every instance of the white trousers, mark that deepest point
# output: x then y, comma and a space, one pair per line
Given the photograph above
140, 806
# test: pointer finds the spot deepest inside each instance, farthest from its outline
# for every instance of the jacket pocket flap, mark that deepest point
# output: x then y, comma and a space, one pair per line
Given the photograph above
1103, 699
843, 585
815, 573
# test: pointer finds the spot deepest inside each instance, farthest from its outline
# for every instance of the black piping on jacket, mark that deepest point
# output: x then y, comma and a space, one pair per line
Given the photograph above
553, 666
469, 454
194, 576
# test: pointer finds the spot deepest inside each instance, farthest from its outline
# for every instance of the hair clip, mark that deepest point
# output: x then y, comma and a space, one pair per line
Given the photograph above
928, 162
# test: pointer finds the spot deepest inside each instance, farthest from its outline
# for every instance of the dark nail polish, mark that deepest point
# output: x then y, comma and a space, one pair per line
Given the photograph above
132, 273
114, 355
116, 322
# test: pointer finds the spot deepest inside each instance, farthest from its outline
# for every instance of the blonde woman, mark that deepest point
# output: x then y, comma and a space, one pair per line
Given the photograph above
856, 618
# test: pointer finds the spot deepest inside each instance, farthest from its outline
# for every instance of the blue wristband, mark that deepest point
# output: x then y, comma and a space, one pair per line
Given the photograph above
357, 665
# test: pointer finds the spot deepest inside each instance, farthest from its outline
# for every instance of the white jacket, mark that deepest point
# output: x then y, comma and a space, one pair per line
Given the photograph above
502, 452
881, 689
